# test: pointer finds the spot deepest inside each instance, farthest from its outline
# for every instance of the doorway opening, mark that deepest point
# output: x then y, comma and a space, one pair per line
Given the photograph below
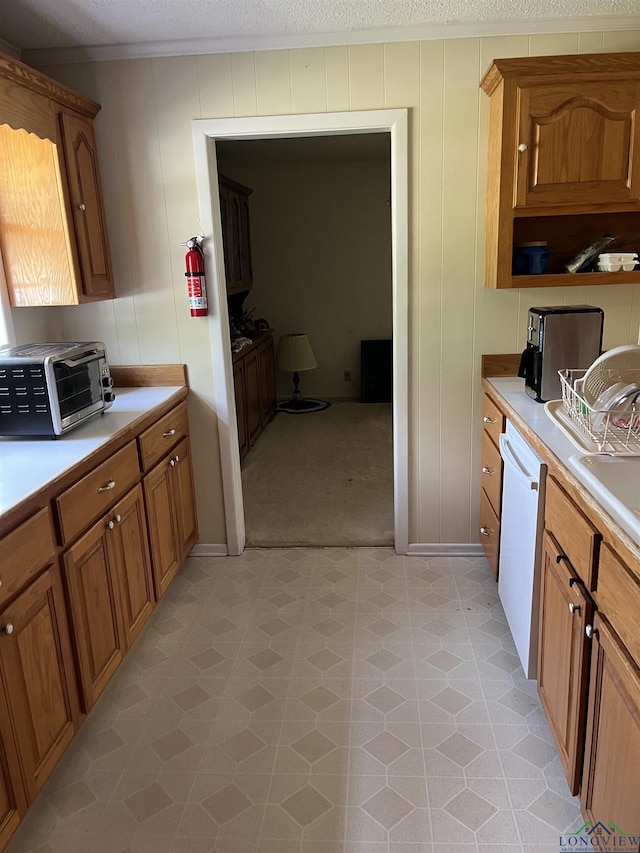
206, 133
315, 292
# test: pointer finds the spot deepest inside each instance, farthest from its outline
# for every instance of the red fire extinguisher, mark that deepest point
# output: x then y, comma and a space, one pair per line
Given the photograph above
194, 260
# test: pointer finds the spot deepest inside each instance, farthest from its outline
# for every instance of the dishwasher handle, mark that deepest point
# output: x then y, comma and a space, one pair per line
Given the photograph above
511, 461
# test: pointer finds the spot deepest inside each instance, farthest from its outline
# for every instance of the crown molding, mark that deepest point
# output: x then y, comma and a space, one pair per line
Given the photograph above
239, 44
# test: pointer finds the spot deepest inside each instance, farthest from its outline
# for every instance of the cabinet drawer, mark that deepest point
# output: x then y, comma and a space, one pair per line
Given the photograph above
573, 531
489, 532
95, 493
619, 599
23, 552
491, 475
492, 419
160, 438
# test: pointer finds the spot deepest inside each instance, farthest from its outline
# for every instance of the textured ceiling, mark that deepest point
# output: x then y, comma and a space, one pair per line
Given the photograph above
37, 25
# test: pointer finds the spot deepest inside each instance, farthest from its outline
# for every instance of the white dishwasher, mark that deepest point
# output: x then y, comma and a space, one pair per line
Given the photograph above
521, 526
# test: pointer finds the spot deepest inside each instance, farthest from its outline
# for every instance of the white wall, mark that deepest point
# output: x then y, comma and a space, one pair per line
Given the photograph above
321, 248
146, 156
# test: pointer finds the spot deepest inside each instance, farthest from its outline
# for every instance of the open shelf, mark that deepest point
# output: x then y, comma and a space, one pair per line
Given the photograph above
580, 279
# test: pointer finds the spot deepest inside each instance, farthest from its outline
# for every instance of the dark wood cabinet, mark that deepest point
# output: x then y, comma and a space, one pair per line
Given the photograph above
255, 389
236, 234
563, 656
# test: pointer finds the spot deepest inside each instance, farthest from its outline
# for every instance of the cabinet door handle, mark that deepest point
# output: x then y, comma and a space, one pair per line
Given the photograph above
110, 485
82, 206
8, 628
561, 557
484, 531
489, 420
522, 147
169, 433
489, 471
591, 632
110, 525
173, 462
118, 518
574, 608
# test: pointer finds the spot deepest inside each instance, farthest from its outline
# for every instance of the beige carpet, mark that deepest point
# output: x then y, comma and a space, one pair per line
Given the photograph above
322, 479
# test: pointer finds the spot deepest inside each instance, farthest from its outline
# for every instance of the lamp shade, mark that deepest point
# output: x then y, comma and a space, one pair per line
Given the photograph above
295, 353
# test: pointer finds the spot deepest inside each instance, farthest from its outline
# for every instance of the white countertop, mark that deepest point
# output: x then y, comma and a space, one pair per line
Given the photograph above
534, 415
28, 464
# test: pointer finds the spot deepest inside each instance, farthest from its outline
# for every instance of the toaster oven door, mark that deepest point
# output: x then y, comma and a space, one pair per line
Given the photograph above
78, 384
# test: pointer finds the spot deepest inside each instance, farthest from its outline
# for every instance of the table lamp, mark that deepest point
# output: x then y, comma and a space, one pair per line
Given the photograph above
295, 355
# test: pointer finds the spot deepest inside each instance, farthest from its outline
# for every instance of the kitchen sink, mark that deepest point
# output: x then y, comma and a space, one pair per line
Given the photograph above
615, 482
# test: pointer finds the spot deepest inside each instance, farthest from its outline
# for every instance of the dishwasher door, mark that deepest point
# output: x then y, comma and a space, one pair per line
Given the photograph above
521, 526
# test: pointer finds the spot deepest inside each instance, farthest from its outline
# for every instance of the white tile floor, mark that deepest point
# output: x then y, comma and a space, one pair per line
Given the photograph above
313, 701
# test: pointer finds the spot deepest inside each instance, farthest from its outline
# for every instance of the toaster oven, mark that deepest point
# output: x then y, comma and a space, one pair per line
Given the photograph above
46, 389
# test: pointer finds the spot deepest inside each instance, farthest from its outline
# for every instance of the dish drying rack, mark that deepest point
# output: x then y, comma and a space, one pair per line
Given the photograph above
612, 431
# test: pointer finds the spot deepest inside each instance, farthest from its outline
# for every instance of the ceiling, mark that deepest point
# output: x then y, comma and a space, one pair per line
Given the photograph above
71, 30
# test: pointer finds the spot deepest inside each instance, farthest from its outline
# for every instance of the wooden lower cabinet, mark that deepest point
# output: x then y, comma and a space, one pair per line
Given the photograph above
563, 649
610, 788
171, 514
108, 577
489, 530
13, 802
241, 412
37, 667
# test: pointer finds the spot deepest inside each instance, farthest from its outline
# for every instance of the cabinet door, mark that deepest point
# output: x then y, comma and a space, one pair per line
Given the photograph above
241, 409
131, 557
582, 144
91, 579
87, 207
12, 798
171, 513
563, 650
183, 494
252, 395
37, 662
610, 790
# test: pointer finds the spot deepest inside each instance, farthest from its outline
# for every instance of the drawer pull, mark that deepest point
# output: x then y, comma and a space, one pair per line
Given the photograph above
487, 470
118, 518
8, 628
174, 461
169, 433
561, 557
110, 525
489, 420
574, 608
110, 485
485, 531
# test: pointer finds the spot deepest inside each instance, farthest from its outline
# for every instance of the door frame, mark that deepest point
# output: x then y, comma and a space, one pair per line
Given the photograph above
205, 133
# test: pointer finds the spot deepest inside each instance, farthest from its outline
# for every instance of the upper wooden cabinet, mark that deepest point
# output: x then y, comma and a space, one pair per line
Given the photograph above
564, 162
53, 234
236, 235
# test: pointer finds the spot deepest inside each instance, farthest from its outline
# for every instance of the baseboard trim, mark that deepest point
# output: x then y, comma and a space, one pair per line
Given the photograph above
206, 549
444, 549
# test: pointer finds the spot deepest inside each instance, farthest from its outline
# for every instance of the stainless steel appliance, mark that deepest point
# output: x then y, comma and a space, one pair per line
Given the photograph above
50, 388
559, 337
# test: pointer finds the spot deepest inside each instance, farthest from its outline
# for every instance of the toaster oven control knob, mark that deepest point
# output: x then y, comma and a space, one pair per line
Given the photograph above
107, 382
108, 396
